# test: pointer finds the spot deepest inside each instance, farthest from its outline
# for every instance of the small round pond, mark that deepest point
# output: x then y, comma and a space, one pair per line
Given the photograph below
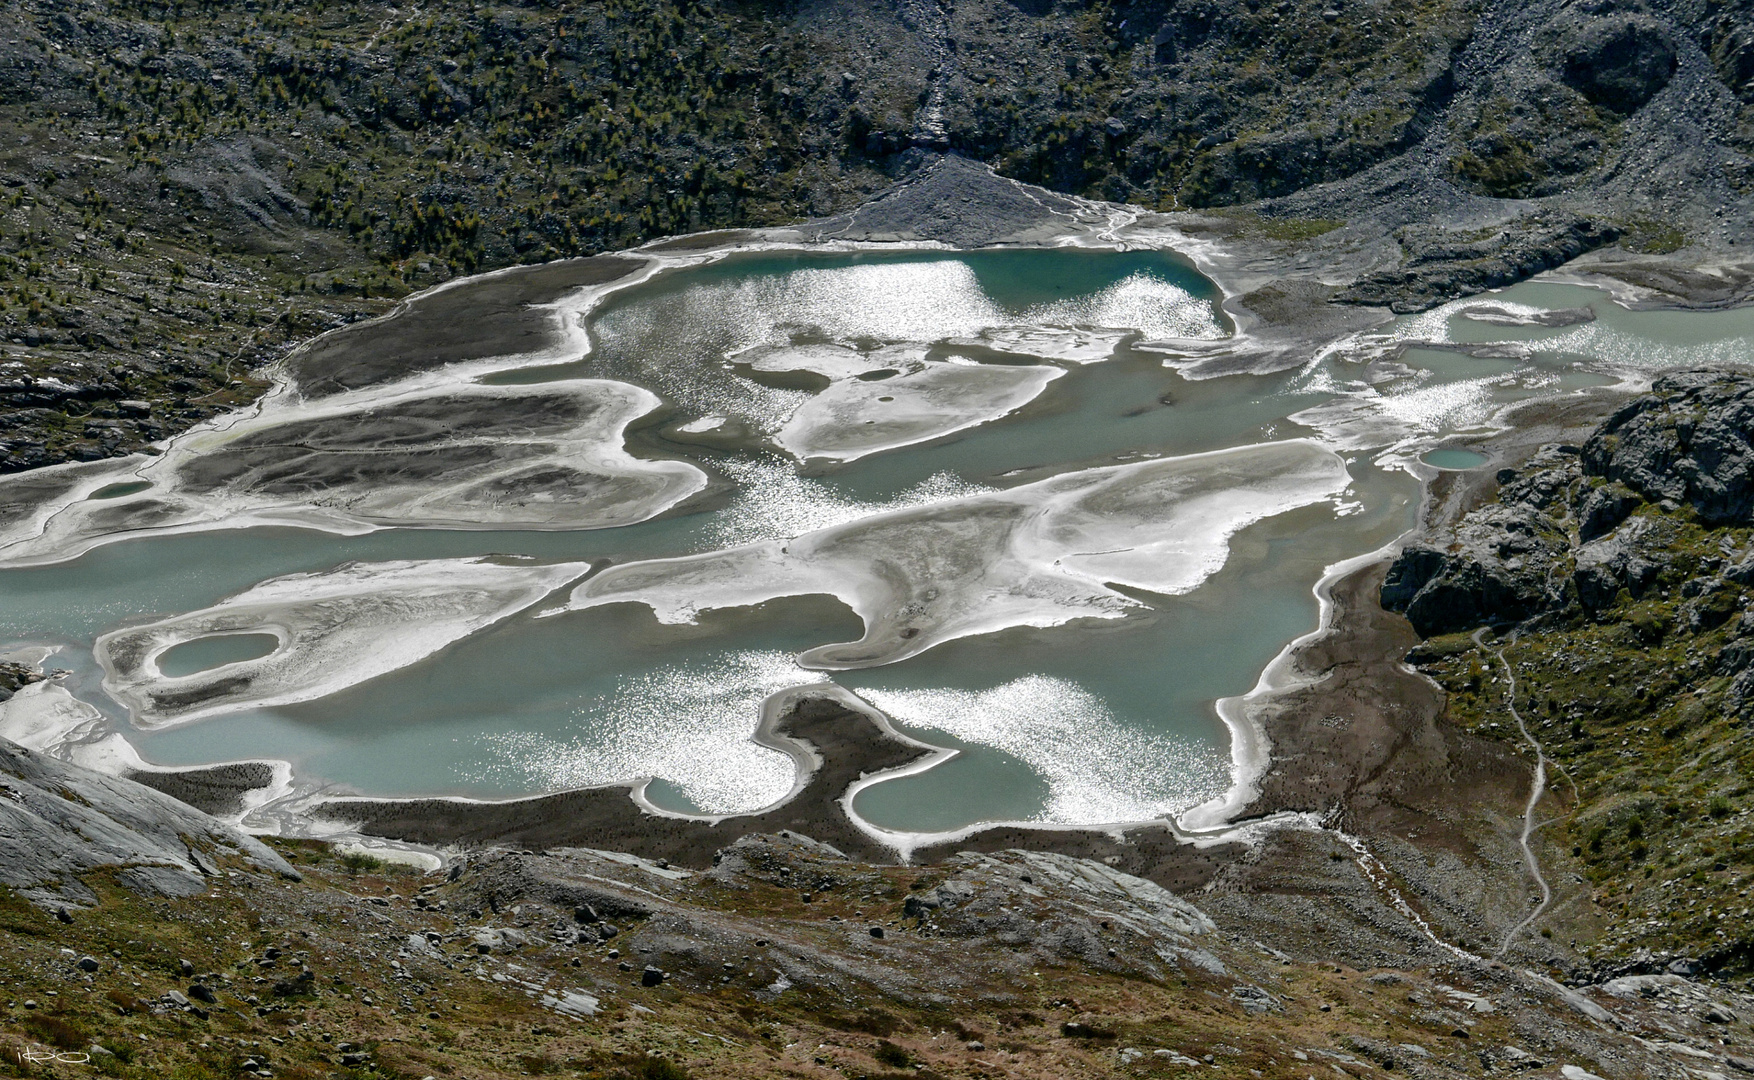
1454, 460
205, 653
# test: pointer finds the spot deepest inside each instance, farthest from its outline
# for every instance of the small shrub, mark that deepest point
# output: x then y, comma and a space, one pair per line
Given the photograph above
648, 1067
1292, 229
357, 862
1719, 807
57, 1031
870, 1021
888, 1053
124, 1002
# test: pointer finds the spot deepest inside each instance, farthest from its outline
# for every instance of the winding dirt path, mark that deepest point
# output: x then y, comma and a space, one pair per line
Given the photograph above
1536, 790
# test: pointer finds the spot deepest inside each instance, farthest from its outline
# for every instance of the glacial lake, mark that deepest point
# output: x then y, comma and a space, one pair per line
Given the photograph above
1152, 542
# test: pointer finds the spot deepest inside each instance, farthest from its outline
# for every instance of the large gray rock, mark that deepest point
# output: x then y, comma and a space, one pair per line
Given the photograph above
59, 821
1496, 572
1567, 533
1617, 561
1066, 908
1688, 441
1618, 62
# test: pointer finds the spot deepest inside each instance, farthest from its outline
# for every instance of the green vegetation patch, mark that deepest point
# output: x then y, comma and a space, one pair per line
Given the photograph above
1650, 751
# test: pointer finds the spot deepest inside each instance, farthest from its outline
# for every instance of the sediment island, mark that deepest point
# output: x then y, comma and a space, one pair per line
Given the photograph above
662, 541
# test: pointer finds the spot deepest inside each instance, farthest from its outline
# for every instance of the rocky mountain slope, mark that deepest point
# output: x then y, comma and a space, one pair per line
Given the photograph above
780, 957
190, 188
1616, 575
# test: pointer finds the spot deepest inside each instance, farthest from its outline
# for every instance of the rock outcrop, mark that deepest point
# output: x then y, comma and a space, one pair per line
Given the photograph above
1566, 535
1618, 62
59, 821
1011, 911
1065, 908
1498, 566
1689, 442
1441, 267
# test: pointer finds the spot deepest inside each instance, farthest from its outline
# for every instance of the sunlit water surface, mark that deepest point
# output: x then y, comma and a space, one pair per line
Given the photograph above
1092, 722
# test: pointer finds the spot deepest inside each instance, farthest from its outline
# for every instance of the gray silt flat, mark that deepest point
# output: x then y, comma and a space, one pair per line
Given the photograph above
486, 317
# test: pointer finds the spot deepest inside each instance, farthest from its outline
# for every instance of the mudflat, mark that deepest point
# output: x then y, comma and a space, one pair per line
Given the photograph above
496, 315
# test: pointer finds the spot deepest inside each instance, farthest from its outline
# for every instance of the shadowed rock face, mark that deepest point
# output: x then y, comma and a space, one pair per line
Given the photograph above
1495, 569
58, 821
1730, 42
1559, 540
1618, 63
1688, 442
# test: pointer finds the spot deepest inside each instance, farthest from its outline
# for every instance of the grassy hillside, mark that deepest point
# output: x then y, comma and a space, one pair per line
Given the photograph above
1637, 707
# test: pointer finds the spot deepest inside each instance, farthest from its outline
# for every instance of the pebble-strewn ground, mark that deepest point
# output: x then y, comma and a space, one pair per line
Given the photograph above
576, 964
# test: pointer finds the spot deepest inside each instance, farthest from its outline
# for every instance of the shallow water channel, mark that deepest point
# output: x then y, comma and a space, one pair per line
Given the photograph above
1099, 713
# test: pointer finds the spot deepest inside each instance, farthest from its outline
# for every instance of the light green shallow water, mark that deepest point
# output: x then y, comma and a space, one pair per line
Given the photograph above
1085, 723
1454, 459
204, 654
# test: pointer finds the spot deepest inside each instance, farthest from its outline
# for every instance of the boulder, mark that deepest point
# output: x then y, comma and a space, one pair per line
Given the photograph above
1687, 442
59, 821
1062, 907
1604, 508
1606, 565
1495, 574
1617, 62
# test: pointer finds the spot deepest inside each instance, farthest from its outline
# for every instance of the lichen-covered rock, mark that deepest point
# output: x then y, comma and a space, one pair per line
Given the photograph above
59, 821
1619, 62
1688, 441
1065, 907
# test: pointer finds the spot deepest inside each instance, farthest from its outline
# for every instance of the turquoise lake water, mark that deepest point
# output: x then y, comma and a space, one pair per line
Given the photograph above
1088, 722
1454, 459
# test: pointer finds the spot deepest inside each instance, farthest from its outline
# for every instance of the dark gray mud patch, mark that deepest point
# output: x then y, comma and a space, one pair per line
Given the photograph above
183, 699
492, 316
413, 443
216, 789
25, 494
117, 491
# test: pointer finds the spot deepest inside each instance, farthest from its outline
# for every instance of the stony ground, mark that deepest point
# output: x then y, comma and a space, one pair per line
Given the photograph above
579, 964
